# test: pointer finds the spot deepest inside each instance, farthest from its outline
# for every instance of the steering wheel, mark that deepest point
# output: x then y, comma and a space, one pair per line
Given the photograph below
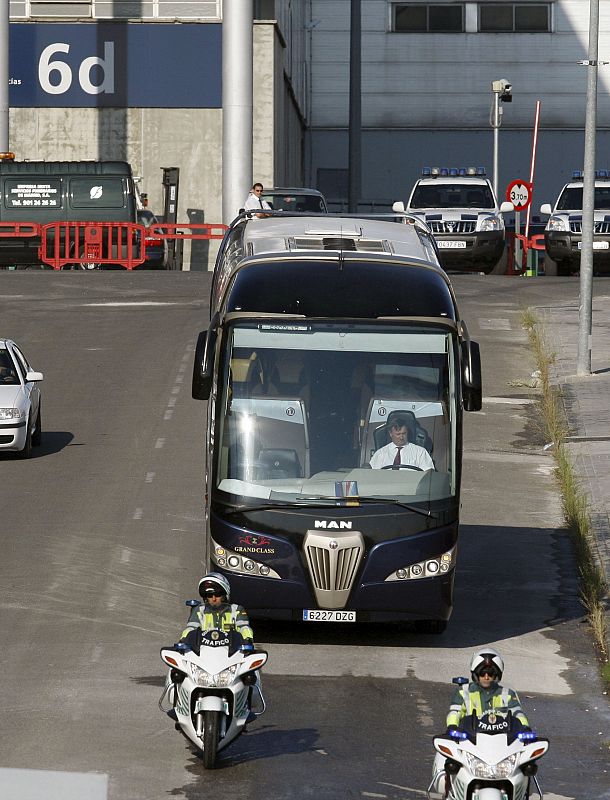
403, 466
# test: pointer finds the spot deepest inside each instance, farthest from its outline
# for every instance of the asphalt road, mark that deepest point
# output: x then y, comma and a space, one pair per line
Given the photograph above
102, 540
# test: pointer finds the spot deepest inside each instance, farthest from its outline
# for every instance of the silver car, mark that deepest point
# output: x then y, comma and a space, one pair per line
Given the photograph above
20, 407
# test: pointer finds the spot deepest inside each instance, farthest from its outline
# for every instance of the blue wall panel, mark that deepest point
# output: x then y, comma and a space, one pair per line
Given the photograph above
115, 65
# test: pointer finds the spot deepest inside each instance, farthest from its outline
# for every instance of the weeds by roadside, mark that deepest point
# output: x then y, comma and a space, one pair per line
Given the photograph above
575, 507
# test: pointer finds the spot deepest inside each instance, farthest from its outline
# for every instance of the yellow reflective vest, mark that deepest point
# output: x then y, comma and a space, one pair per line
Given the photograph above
470, 698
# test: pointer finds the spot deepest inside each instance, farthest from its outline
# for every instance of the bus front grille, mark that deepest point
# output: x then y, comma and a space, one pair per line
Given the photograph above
333, 560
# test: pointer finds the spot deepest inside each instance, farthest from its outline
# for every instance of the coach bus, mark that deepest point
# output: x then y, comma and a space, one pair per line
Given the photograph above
325, 331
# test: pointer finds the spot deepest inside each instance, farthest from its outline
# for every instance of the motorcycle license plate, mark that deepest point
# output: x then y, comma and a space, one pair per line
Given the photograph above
450, 244
321, 615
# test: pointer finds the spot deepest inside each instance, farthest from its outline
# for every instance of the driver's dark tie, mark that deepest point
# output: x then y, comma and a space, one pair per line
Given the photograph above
396, 461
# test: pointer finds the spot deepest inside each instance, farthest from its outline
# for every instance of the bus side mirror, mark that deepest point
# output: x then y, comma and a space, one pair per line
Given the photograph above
203, 366
472, 387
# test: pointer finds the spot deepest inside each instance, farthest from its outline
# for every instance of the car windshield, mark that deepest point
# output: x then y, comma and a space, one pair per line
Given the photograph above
8, 371
304, 407
571, 198
452, 195
295, 202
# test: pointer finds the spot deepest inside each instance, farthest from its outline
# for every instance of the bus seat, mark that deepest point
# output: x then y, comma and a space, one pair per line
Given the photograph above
417, 433
280, 463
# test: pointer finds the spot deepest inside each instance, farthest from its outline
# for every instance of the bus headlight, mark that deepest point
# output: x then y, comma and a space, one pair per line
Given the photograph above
231, 561
429, 568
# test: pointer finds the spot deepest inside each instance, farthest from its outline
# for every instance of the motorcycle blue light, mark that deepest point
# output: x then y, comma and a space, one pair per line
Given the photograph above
444, 172
577, 175
480, 170
527, 736
426, 172
458, 735
453, 172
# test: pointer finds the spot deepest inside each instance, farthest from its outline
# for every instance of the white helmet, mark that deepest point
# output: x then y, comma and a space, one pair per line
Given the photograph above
215, 581
486, 658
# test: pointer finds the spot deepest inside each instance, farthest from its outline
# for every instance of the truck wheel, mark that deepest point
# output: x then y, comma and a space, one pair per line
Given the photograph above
565, 267
550, 266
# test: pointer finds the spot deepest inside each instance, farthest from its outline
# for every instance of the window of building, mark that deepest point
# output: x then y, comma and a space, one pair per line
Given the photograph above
424, 18
513, 17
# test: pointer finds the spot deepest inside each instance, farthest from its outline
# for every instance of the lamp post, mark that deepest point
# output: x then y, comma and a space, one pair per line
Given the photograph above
502, 91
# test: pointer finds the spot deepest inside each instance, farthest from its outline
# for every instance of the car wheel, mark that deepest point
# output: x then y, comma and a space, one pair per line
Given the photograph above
27, 447
565, 267
37, 435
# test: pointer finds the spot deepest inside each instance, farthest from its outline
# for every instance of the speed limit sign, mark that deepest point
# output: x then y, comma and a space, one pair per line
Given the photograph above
519, 193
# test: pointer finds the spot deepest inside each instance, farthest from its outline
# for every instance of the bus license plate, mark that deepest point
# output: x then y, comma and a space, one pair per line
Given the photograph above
450, 244
321, 615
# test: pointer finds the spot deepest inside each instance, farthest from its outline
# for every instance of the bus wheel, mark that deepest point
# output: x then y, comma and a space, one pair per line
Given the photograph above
430, 626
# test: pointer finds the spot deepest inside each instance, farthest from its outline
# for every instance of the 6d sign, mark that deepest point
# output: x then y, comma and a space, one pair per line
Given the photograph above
519, 193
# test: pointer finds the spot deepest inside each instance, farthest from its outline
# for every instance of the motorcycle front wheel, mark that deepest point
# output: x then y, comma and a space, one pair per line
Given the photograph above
210, 738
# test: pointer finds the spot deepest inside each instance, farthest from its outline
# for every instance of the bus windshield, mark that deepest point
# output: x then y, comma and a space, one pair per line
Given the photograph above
304, 409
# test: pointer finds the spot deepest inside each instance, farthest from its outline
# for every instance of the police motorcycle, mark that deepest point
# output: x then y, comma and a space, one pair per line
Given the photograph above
492, 757
212, 688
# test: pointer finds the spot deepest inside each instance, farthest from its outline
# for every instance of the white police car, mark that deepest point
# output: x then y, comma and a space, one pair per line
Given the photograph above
563, 232
460, 208
20, 407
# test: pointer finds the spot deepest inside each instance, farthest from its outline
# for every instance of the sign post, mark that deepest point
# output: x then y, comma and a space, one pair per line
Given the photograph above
519, 193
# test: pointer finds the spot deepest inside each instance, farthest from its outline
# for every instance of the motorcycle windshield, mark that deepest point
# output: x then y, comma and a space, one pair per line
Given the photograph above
302, 409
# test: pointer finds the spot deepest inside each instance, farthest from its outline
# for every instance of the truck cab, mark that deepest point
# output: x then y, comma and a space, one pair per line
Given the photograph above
563, 232
460, 208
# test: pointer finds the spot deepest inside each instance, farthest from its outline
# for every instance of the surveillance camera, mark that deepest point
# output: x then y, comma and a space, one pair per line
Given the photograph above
502, 86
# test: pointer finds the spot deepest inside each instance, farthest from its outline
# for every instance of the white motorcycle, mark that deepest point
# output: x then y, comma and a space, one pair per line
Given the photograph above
211, 688
487, 758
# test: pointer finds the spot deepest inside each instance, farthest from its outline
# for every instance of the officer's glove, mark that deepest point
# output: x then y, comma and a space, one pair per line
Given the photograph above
526, 729
451, 728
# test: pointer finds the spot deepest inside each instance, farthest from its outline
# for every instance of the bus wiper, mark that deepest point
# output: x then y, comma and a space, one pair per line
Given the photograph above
330, 502
393, 501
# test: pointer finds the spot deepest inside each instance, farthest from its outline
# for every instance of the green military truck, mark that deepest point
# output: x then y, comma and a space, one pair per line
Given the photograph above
39, 192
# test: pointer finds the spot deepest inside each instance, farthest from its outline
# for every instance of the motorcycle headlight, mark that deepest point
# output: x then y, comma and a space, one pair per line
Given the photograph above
491, 224
209, 680
557, 224
481, 769
11, 413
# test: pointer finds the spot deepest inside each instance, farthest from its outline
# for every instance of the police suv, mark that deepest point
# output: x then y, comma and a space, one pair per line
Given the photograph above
563, 232
460, 208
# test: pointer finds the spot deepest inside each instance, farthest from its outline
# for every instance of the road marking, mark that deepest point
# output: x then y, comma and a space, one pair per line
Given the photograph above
172, 402
32, 784
159, 443
150, 476
176, 389
142, 303
508, 401
497, 324
168, 414
137, 514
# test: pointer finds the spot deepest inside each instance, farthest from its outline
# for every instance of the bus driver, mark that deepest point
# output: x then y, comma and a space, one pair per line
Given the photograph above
400, 450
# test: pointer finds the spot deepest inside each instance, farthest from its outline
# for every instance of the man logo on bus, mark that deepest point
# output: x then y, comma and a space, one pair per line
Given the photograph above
333, 524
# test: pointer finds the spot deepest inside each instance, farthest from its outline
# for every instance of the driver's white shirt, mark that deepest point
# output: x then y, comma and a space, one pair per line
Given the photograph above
411, 454
253, 202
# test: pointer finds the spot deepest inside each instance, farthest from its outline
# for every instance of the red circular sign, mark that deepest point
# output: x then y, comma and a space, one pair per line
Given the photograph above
519, 193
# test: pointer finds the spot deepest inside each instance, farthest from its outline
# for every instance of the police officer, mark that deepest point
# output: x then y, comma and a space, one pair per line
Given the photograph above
484, 693
217, 612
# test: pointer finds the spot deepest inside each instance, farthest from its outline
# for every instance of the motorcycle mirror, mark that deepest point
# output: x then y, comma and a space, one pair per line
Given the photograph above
459, 681
192, 603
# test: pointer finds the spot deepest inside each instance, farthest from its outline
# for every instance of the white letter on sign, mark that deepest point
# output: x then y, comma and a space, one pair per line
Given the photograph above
46, 67
107, 66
